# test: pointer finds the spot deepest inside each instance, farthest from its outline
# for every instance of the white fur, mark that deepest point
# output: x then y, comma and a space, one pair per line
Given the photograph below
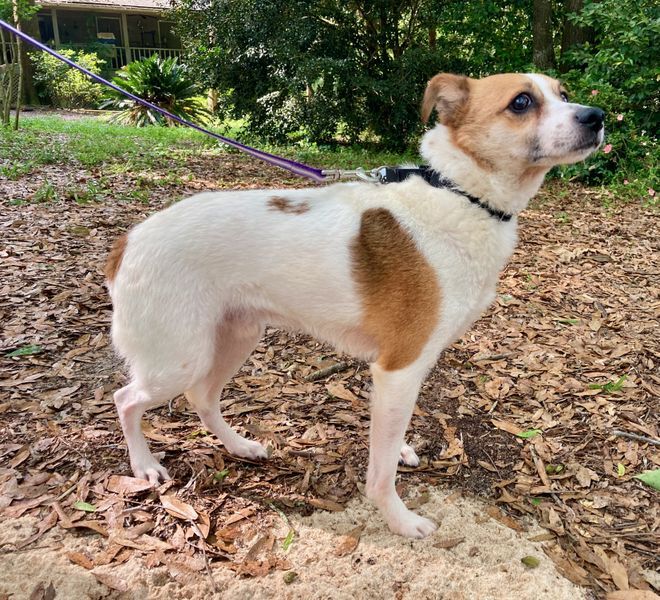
199, 281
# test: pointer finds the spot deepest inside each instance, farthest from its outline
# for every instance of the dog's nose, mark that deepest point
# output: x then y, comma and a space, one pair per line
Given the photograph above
591, 117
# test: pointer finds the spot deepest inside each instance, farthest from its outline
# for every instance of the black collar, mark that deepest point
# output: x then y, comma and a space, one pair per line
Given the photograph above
397, 174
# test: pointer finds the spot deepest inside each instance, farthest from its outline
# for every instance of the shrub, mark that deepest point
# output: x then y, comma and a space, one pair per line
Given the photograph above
618, 74
163, 82
64, 87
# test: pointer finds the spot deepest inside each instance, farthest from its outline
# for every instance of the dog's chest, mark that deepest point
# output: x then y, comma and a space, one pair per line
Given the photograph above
468, 264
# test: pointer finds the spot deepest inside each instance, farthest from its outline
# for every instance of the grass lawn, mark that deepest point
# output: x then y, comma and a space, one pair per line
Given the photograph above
91, 142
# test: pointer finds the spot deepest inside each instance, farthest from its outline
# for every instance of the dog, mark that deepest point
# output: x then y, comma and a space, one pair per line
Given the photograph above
391, 274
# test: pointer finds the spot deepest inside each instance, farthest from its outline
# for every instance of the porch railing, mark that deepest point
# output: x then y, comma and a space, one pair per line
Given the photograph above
117, 57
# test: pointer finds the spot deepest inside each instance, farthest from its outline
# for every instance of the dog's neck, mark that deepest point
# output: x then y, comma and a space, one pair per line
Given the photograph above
507, 192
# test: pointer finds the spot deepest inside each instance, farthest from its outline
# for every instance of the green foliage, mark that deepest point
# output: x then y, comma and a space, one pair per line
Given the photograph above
163, 82
63, 87
618, 72
349, 70
26, 9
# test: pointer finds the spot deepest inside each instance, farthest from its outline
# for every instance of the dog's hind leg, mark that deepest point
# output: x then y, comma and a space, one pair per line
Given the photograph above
235, 341
132, 401
394, 396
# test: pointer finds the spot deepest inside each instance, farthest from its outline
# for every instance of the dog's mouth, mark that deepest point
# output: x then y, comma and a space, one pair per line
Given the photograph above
570, 153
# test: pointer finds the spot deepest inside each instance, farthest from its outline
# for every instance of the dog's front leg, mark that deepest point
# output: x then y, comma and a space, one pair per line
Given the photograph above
392, 403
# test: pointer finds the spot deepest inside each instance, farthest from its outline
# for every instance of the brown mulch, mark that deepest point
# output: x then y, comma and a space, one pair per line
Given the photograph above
570, 348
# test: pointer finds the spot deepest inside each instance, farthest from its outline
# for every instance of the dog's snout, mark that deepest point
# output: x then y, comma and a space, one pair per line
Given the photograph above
592, 118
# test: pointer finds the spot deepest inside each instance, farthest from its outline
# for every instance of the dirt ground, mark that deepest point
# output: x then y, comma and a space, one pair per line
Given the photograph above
530, 429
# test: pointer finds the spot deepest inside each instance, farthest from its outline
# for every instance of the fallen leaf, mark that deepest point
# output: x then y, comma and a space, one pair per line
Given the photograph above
80, 559
530, 562
632, 595
84, 506
349, 542
651, 478
122, 484
330, 505
448, 543
338, 390
178, 508
507, 426
498, 515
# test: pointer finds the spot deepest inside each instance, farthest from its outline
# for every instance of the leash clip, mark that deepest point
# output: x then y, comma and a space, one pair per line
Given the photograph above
376, 175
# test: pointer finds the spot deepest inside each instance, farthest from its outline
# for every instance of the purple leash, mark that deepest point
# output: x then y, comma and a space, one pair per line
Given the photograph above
284, 163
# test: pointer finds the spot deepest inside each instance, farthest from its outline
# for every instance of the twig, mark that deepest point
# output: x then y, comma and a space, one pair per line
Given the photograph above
206, 560
493, 357
283, 517
634, 436
54, 546
321, 373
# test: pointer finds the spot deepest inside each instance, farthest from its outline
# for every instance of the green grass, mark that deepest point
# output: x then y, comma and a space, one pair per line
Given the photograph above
92, 142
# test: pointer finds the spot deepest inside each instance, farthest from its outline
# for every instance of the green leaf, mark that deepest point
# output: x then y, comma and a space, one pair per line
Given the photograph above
220, 475
86, 506
620, 470
535, 501
26, 351
288, 540
651, 478
611, 386
530, 433
530, 561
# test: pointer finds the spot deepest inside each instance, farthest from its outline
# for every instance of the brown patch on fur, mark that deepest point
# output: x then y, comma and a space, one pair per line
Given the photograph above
287, 206
115, 257
400, 293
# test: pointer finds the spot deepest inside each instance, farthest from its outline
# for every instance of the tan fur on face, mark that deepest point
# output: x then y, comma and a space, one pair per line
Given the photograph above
477, 114
400, 292
115, 257
287, 206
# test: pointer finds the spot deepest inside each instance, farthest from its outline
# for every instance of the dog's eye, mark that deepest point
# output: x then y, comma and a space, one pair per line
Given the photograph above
564, 96
521, 103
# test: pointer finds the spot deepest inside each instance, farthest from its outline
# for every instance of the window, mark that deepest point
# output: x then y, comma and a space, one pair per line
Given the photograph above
168, 36
142, 31
46, 31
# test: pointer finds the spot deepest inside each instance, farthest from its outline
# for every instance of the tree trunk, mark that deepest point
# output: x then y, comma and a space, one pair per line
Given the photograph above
572, 34
7, 77
19, 62
433, 38
29, 91
543, 49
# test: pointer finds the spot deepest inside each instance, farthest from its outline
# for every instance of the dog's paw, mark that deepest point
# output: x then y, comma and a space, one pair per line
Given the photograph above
151, 470
408, 456
248, 449
411, 525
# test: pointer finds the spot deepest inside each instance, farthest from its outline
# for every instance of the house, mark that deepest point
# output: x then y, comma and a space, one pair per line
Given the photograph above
128, 29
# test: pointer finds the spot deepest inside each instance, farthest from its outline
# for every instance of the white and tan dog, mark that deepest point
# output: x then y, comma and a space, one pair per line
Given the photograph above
392, 274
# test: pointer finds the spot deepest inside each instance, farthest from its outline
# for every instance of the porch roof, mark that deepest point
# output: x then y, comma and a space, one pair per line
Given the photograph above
129, 5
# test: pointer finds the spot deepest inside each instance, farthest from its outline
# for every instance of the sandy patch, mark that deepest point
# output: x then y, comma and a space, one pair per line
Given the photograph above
486, 565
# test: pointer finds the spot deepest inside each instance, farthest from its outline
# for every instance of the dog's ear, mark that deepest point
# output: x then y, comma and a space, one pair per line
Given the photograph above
446, 93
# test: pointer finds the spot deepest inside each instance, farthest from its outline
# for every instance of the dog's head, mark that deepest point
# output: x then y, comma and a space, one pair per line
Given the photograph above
513, 122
